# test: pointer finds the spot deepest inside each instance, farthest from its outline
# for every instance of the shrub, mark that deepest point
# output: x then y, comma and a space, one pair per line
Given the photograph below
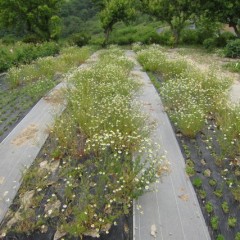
219, 40
79, 39
31, 38
9, 39
189, 36
224, 38
132, 34
22, 53
6, 60
166, 38
47, 49
97, 40
210, 43
233, 49
207, 28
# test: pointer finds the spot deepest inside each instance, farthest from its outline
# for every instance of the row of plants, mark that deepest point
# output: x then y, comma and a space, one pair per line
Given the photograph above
92, 166
24, 53
207, 126
23, 86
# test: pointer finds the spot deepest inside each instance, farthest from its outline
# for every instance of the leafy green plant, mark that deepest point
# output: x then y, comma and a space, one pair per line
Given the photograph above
190, 167
220, 237
225, 207
79, 39
218, 193
189, 36
232, 221
22, 53
237, 237
134, 34
212, 182
45, 68
233, 49
197, 182
214, 222
210, 43
202, 194
233, 66
209, 207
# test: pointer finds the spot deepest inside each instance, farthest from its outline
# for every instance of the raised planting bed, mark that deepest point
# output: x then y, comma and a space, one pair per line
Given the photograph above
22, 87
215, 180
83, 182
207, 127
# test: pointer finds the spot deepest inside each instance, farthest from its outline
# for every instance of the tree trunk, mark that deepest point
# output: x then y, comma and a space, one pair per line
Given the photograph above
236, 30
176, 35
106, 33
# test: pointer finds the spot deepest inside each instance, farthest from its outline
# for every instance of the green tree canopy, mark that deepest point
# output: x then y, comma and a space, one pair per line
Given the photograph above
174, 12
39, 17
225, 11
114, 11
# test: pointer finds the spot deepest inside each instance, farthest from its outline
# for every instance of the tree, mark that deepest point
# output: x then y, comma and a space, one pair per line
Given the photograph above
174, 12
39, 17
114, 11
225, 11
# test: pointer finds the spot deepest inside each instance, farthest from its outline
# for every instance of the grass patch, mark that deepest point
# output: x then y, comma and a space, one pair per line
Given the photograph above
233, 66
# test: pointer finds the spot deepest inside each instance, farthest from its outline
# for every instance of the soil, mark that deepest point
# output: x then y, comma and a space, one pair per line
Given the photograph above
204, 154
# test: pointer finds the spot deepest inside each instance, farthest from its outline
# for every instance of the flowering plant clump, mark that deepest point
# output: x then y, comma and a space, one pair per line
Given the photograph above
189, 95
192, 96
101, 155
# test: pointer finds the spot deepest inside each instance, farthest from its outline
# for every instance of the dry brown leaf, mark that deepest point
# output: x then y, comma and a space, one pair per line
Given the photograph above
26, 135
